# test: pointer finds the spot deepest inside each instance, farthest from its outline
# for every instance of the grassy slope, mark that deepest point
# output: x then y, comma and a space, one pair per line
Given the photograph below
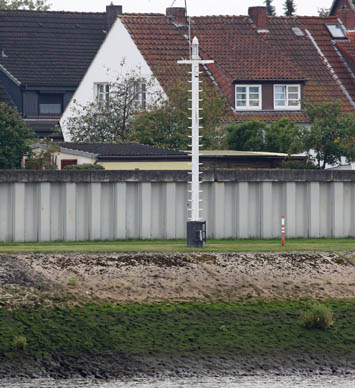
188, 328
180, 246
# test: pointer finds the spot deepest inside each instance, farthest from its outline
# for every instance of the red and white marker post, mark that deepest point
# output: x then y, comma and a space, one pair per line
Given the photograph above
283, 231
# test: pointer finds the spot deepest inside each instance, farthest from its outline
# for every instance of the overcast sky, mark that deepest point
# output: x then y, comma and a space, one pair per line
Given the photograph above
195, 7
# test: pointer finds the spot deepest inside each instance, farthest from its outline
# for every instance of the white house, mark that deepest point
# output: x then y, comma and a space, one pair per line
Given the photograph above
117, 57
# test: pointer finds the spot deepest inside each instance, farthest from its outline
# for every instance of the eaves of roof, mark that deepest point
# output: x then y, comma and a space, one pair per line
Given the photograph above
66, 151
141, 157
78, 152
5, 98
9, 75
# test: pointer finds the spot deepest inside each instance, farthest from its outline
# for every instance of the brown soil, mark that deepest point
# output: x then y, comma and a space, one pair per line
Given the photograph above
178, 277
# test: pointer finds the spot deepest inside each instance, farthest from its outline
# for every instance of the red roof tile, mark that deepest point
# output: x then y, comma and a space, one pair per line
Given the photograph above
347, 49
240, 52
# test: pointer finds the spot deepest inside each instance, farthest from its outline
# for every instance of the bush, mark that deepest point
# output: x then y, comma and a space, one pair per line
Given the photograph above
84, 167
43, 159
248, 136
73, 282
319, 317
15, 138
20, 342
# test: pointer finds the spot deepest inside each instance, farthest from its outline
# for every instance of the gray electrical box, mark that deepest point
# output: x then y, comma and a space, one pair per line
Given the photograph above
196, 234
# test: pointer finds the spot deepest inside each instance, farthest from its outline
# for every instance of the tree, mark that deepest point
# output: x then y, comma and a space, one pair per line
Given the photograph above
323, 12
45, 158
270, 9
332, 134
248, 136
15, 138
37, 5
289, 8
108, 118
284, 136
167, 124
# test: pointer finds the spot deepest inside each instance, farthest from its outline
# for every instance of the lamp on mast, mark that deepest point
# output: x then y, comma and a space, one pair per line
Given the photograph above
196, 227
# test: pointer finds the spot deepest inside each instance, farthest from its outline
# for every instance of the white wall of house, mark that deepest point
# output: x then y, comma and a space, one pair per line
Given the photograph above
59, 156
118, 47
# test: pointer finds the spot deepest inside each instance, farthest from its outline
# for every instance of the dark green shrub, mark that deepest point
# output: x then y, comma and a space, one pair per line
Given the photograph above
319, 317
20, 342
84, 167
248, 136
15, 138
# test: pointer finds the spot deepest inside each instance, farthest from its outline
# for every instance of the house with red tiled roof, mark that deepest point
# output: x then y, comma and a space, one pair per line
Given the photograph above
267, 67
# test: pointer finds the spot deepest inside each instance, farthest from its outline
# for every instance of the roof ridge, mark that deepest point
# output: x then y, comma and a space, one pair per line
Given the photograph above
141, 15
50, 12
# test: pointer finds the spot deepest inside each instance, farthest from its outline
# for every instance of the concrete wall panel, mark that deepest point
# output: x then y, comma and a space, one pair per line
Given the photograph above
107, 205
6, 216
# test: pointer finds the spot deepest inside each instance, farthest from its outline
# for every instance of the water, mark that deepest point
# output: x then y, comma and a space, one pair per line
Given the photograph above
235, 382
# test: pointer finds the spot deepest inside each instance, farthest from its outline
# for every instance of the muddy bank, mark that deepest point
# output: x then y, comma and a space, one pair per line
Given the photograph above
122, 367
145, 278
120, 315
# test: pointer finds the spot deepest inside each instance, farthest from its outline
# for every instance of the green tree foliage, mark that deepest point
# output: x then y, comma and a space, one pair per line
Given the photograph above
270, 9
289, 8
332, 134
37, 5
15, 138
167, 123
248, 136
45, 157
282, 136
109, 120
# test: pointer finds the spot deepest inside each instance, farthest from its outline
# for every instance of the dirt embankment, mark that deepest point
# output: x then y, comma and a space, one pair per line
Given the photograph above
150, 277
44, 280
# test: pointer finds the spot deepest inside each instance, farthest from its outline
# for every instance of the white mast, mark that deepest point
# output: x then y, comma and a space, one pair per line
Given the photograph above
195, 61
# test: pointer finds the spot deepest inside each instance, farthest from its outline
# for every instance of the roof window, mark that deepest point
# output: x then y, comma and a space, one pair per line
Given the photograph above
335, 31
297, 31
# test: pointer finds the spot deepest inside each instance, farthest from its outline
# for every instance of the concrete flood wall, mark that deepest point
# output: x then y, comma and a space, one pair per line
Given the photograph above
107, 205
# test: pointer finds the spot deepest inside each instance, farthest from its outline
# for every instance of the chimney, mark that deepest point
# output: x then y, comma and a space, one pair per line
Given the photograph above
347, 16
112, 11
258, 15
178, 14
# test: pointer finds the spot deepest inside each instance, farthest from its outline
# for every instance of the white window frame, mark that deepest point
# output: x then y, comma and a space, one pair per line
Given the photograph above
248, 106
139, 90
105, 93
287, 106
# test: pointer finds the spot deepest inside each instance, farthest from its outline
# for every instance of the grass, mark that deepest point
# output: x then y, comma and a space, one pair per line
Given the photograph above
175, 329
250, 245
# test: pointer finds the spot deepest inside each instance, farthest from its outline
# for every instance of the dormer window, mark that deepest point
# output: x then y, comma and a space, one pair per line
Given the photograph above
248, 97
287, 97
50, 104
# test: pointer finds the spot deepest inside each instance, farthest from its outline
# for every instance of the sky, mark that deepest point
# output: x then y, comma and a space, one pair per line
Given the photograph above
195, 7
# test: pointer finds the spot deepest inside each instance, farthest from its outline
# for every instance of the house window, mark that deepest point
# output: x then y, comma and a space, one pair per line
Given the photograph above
139, 94
248, 97
287, 97
50, 104
102, 91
